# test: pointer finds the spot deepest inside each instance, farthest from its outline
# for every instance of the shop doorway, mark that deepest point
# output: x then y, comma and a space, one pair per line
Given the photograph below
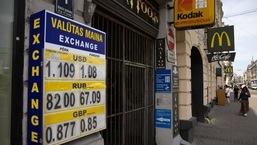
197, 84
130, 78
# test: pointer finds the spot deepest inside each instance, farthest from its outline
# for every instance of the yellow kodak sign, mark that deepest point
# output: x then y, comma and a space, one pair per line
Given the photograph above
193, 13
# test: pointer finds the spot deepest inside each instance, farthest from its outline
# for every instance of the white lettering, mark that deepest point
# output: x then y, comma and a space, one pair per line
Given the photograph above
61, 38
218, 57
72, 41
67, 39
77, 42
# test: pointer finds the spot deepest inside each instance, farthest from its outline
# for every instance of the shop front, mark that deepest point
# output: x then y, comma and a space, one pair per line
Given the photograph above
11, 70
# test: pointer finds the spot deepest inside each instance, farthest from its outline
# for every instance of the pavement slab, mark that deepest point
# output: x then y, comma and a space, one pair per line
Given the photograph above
227, 126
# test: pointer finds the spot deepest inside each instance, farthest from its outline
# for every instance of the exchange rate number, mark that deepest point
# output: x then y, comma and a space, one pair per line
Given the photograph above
64, 69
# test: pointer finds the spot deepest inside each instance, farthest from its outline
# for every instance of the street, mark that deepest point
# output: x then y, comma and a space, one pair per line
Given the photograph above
253, 92
227, 127
253, 100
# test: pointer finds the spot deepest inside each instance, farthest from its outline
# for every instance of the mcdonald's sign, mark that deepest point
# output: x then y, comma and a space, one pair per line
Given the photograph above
228, 69
220, 39
221, 57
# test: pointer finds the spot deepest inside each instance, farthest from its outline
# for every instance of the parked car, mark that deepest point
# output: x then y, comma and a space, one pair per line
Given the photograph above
254, 86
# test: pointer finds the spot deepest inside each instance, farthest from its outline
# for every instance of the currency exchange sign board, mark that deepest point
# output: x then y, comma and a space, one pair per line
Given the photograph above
66, 86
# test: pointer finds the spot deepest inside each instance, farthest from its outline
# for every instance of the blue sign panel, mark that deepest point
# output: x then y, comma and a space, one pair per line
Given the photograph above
35, 84
163, 118
66, 80
72, 34
163, 81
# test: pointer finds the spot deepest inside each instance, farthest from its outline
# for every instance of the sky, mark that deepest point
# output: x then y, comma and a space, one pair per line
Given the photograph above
243, 15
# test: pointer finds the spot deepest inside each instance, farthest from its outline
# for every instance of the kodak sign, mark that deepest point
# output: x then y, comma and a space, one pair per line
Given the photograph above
193, 13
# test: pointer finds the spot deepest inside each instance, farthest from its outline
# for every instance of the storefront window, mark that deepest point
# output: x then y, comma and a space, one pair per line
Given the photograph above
6, 32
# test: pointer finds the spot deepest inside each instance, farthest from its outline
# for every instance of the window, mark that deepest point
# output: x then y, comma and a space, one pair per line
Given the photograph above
6, 31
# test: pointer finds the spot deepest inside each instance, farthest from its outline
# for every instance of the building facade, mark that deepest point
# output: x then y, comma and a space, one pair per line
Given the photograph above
198, 78
251, 73
132, 29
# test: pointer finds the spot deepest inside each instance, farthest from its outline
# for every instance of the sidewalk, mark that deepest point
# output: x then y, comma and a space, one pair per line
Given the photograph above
227, 127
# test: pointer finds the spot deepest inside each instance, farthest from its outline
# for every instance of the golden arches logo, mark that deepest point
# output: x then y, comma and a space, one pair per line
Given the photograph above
229, 70
220, 36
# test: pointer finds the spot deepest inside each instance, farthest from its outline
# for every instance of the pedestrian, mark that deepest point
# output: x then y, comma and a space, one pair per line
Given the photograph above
244, 99
236, 89
227, 94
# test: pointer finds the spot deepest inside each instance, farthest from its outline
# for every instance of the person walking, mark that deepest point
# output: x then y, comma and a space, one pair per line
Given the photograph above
244, 98
227, 94
236, 90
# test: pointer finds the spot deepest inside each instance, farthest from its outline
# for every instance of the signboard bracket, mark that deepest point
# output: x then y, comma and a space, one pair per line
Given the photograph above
170, 7
170, 23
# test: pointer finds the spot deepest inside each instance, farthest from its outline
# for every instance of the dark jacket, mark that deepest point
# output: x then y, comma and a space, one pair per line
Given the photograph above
236, 89
244, 95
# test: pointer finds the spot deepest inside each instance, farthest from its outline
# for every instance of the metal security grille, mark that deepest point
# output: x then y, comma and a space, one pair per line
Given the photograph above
130, 94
